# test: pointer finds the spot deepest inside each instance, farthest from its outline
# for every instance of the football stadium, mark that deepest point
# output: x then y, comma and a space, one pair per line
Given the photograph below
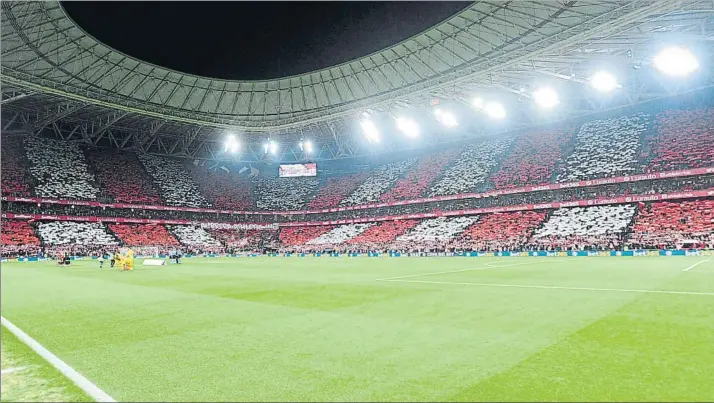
514, 202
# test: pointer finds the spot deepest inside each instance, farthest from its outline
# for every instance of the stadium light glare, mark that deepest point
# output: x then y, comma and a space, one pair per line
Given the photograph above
495, 110
408, 126
273, 147
308, 146
675, 61
370, 131
477, 103
603, 81
546, 97
232, 145
446, 118
265, 148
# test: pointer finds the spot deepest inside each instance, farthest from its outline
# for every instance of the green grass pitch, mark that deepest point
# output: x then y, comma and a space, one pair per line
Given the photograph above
327, 329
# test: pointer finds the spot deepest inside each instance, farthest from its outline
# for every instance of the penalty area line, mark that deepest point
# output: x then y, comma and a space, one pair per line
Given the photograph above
83, 383
553, 287
695, 265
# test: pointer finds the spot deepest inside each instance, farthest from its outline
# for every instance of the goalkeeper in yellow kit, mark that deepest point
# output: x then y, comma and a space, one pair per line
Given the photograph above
129, 260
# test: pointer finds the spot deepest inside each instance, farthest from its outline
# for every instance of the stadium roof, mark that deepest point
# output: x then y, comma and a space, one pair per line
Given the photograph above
49, 63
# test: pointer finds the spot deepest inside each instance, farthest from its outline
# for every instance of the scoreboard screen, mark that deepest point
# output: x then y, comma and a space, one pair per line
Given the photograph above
293, 170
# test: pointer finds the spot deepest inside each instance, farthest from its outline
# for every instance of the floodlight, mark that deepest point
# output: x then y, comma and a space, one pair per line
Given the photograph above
231, 144
308, 146
370, 131
446, 118
273, 147
495, 110
408, 126
546, 97
603, 81
265, 148
477, 103
675, 61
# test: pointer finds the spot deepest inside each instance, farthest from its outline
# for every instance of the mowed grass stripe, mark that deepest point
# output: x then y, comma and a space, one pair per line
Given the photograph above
310, 329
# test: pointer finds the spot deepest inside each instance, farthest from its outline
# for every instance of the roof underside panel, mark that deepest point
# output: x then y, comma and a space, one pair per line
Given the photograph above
489, 43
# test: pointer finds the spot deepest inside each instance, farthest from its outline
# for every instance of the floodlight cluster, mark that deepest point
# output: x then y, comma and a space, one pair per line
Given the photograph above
672, 61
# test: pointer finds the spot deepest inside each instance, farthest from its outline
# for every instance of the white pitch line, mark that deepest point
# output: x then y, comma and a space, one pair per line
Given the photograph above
458, 271
11, 370
552, 287
83, 383
695, 265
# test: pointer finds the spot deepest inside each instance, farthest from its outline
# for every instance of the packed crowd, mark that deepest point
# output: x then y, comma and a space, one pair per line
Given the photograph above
472, 168
685, 140
294, 236
597, 227
224, 190
122, 177
175, 184
561, 195
669, 225
143, 235
18, 238
194, 236
280, 194
59, 169
14, 180
533, 159
420, 176
434, 233
379, 181
339, 234
606, 148
335, 189
501, 231
75, 233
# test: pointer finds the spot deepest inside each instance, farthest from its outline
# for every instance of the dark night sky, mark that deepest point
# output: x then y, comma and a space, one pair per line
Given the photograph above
254, 40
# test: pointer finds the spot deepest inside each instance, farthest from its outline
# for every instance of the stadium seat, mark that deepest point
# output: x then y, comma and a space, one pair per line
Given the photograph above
60, 170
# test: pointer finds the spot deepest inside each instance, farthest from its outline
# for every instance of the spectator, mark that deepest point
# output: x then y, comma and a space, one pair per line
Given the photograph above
279, 194
379, 181
175, 184
685, 140
472, 168
59, 169
606, 148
